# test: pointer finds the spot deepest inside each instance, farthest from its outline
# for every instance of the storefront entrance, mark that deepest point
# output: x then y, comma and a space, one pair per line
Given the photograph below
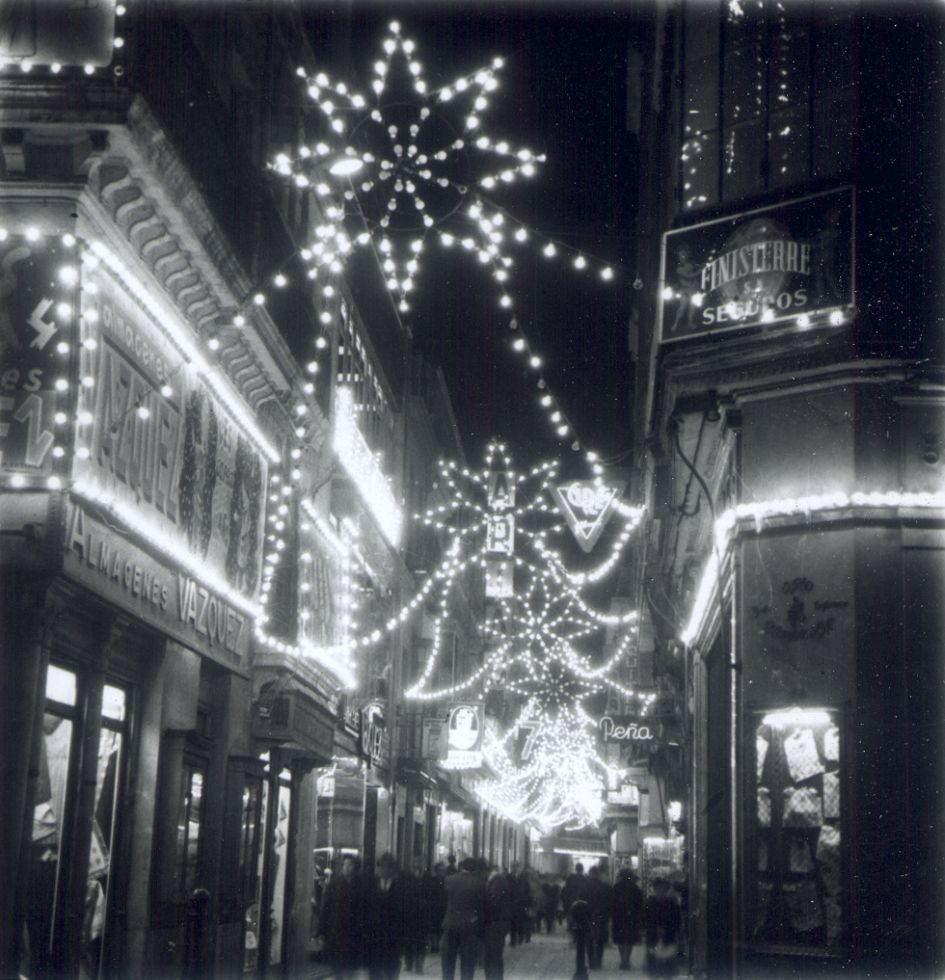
77, 867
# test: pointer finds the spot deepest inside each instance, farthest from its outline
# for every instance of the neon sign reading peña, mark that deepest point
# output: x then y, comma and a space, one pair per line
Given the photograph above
622, 729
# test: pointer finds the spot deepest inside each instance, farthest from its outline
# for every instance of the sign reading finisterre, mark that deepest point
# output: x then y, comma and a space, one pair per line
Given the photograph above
782, 263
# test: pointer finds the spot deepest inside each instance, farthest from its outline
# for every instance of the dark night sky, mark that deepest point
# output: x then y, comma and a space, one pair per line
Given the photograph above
563, 93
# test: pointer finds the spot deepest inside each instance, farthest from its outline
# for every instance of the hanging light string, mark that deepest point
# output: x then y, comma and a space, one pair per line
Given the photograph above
397, 186
560, 779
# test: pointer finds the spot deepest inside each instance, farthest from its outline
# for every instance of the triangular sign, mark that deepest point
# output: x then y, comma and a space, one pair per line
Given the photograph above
587, 507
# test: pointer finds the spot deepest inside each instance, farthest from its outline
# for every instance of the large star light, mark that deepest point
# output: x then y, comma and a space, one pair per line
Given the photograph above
411, 159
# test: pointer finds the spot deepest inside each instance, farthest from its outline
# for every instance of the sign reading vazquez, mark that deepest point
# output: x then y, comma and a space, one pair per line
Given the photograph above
171, 600
186, 466
762, 267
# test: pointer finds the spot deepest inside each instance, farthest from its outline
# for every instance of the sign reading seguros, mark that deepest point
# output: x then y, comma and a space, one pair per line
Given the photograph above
758, 268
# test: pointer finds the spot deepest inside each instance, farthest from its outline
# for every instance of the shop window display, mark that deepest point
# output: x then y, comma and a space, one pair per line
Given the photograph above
52, 827
795, 837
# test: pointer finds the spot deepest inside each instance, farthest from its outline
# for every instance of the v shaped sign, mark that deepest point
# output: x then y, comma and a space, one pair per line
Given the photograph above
587, 508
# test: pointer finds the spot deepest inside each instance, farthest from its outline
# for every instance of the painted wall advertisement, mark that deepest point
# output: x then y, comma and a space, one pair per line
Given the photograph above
758, 268
158, 440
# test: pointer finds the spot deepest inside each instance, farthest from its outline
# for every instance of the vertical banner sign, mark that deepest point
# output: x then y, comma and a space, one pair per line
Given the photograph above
500, 536
759, 268
36, 313
587, 507
500, 578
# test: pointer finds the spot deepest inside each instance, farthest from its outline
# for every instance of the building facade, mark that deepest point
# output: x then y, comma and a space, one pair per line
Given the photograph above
790, 412
202, 495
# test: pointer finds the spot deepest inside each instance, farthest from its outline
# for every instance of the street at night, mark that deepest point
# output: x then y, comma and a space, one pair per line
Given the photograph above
472, 489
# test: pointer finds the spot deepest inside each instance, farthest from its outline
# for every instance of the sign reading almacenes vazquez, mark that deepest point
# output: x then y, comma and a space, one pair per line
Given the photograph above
758, 268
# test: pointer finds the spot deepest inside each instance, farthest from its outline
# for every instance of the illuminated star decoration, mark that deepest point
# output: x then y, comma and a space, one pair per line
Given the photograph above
557, 778
412, 159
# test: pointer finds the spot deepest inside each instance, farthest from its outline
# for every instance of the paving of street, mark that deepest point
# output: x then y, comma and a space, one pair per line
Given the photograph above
552, 958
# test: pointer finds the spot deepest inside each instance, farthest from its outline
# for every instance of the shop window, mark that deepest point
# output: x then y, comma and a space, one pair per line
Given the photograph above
795, 875
251, 823
280, 854
188, 826
60, 806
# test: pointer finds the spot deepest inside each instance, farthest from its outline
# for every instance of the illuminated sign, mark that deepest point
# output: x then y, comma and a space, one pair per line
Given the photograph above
156, 439
359, 462
37, 311
625, 728
587, 506
464, 730
65, 32
785, 263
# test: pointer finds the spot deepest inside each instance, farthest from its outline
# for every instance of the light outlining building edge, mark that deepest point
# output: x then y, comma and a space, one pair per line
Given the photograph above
356, 457
167, 320
726, 527
158, 539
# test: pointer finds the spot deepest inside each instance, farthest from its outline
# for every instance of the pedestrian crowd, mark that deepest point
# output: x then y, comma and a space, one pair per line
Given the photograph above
464, 914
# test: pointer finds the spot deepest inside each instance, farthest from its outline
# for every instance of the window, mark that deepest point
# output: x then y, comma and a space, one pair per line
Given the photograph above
795, 873
767, 86
190, 818
52, 926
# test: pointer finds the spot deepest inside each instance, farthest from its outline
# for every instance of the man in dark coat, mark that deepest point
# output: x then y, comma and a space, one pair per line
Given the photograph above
342, 919
627, 915
387, 911
598, 893
464, 922
498, 916
416, 921
434, 888
663, 919
573, 888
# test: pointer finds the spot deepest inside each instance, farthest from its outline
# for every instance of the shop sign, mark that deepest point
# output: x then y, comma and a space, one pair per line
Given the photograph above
35, 314
183, 462
464, 736
433, 739
67, 32
586, 506
625, 729
163, 597
759, 267
373, 729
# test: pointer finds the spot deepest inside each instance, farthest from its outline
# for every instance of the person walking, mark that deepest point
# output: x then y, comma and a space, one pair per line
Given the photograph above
341, 926
573, 889
416, 922
434, 887
598, 893
662, 917
626, 915
498, 917
464, 921
387, 920
550, 893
